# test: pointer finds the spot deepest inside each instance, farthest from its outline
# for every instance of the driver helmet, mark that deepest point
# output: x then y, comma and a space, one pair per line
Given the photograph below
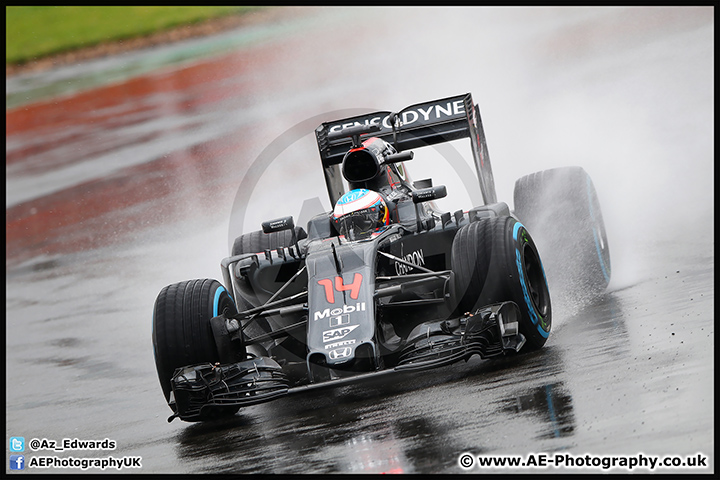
360, 212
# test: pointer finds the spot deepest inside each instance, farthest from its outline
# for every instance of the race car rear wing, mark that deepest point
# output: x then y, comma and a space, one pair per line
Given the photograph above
419, 125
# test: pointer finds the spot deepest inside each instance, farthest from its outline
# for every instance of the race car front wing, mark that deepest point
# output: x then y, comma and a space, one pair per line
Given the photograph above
201, 391
487, 332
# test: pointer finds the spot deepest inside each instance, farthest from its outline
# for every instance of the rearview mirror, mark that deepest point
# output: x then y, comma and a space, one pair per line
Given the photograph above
427, 194
399, 157
278, 225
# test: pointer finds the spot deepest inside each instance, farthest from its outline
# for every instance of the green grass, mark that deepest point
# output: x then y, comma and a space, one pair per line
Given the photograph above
36, 32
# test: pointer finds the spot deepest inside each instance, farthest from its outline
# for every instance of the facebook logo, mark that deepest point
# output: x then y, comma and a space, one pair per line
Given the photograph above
17, 462
17, 444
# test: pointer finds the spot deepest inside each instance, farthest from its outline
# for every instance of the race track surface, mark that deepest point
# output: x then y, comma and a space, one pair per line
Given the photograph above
129, 173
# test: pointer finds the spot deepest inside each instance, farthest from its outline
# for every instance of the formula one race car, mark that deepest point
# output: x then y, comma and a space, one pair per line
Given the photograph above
385, 282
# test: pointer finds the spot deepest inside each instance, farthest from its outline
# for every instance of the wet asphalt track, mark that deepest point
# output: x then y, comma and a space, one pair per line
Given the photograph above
122, 176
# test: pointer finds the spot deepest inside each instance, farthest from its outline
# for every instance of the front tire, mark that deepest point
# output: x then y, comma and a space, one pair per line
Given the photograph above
495, 260
182, 334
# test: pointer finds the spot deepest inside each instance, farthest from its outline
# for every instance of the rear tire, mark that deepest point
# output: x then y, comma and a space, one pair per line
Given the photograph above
561, 208
182, 334
259, 241
495, 260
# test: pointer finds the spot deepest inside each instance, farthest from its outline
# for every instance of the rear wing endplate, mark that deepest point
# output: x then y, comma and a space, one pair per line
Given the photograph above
419, 125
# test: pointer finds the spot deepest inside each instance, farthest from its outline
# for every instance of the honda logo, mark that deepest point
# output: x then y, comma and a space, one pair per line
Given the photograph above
340, 353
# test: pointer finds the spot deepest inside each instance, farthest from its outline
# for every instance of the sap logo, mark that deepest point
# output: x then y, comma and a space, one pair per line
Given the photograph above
337, 312
416, 258
340, 353
408, 117
337, 333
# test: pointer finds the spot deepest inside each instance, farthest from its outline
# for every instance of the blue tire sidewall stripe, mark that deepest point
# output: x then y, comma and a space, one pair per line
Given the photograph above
153, 337
603, 267
216, 300
528, 302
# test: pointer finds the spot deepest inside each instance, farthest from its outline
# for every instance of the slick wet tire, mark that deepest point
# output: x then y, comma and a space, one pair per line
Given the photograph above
259, 241
560, 208
182, 334
256, 242
495, 260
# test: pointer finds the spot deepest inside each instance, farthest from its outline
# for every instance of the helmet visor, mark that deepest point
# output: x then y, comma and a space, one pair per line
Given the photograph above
357, 224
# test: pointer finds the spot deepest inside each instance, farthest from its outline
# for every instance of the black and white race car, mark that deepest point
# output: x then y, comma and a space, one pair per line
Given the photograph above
385, 282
